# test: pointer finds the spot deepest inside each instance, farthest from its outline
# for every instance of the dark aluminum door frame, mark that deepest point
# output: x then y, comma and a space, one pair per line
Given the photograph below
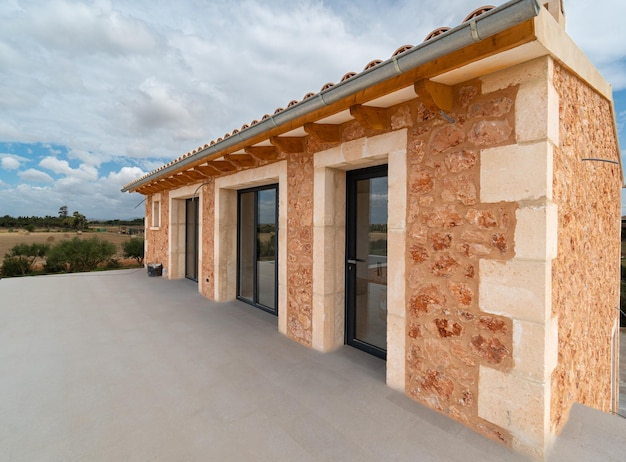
254, 297
191, 238
353, 259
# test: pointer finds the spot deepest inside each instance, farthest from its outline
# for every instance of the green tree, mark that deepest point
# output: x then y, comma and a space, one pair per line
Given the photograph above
20, 260
63, 211
78, 255
78, 221
134, 248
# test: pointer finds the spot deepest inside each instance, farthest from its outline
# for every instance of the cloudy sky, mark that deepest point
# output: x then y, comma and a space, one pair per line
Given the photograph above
94, 94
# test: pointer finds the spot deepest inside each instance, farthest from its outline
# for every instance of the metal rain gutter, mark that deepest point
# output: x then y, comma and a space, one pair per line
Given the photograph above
486, 25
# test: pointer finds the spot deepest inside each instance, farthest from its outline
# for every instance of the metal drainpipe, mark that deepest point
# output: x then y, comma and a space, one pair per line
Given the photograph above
487, 24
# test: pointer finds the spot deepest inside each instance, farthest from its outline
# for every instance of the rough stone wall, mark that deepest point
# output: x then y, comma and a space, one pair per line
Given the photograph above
448, 232
207, 284
157, 238
300, 247
585, 274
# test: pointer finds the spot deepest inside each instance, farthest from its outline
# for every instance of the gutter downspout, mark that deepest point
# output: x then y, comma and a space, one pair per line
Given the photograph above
487, 24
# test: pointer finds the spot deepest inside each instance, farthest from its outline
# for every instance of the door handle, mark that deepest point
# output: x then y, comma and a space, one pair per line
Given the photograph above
354, 261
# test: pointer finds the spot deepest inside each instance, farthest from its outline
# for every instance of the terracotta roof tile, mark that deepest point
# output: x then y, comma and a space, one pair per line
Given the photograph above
478, 12
372, 63
348, 75
436, 32
402, 49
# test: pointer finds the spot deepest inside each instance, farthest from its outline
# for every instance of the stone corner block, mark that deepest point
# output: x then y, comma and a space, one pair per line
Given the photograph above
537, 112
537, 69
518, 289
396, 346
516, 173
518, 405
536, 232
535, 349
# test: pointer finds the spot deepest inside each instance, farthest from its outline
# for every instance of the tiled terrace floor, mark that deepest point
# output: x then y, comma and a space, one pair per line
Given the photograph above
121, 367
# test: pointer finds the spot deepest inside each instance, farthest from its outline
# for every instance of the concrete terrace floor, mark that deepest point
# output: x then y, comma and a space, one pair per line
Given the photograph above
118, 366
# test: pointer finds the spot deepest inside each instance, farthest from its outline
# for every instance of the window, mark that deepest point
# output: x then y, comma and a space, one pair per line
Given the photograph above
156, 213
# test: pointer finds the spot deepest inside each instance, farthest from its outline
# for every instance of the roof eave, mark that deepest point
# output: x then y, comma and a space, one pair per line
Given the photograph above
476, 30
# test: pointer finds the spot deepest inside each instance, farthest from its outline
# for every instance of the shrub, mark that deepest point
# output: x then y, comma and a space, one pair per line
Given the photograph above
134, 248
79, 255
14, 266
19, 261
113, 263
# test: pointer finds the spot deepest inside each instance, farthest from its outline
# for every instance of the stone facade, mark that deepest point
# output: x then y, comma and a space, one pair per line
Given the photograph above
300, 248
449, 230
207, 199
157, 238
589, 218
503, 242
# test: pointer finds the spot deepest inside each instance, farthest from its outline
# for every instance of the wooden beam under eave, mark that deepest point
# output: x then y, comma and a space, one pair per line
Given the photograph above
169, 183
435, 96
146, 191
513, 37
208, 170
177, 180
241, 160
222, 166
150, 189
200, 174
194, 175
262, 152
375, 118
324, 132
288, 144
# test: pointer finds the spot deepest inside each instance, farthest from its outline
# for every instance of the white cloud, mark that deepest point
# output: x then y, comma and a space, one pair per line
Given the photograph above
9, 163
36, 176
139, 83
56, 165
77, 28
84, 172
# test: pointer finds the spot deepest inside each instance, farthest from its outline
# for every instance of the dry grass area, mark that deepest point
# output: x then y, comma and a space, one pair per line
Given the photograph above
9, 240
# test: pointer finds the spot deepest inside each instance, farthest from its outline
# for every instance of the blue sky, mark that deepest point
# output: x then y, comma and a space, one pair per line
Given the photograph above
94, 94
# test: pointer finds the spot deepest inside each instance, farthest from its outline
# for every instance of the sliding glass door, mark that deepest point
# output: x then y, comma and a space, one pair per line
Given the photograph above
257, 269
191, 239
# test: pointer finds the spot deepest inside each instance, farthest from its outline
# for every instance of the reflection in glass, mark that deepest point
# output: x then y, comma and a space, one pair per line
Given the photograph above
371, 272
246, 245
191, 239
266, 247
257, 247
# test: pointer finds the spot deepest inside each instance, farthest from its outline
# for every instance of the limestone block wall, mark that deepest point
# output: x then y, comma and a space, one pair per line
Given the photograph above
450, 230
518, 399
585, 274
157, 238
300, 247
505, 298
207, 232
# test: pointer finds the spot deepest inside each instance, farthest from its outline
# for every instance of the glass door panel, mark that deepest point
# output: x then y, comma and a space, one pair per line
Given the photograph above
366, 265
266, 248
191, 239
246, 246
257, 247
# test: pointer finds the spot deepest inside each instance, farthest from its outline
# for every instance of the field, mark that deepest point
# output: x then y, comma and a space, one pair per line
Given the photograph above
8, 240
